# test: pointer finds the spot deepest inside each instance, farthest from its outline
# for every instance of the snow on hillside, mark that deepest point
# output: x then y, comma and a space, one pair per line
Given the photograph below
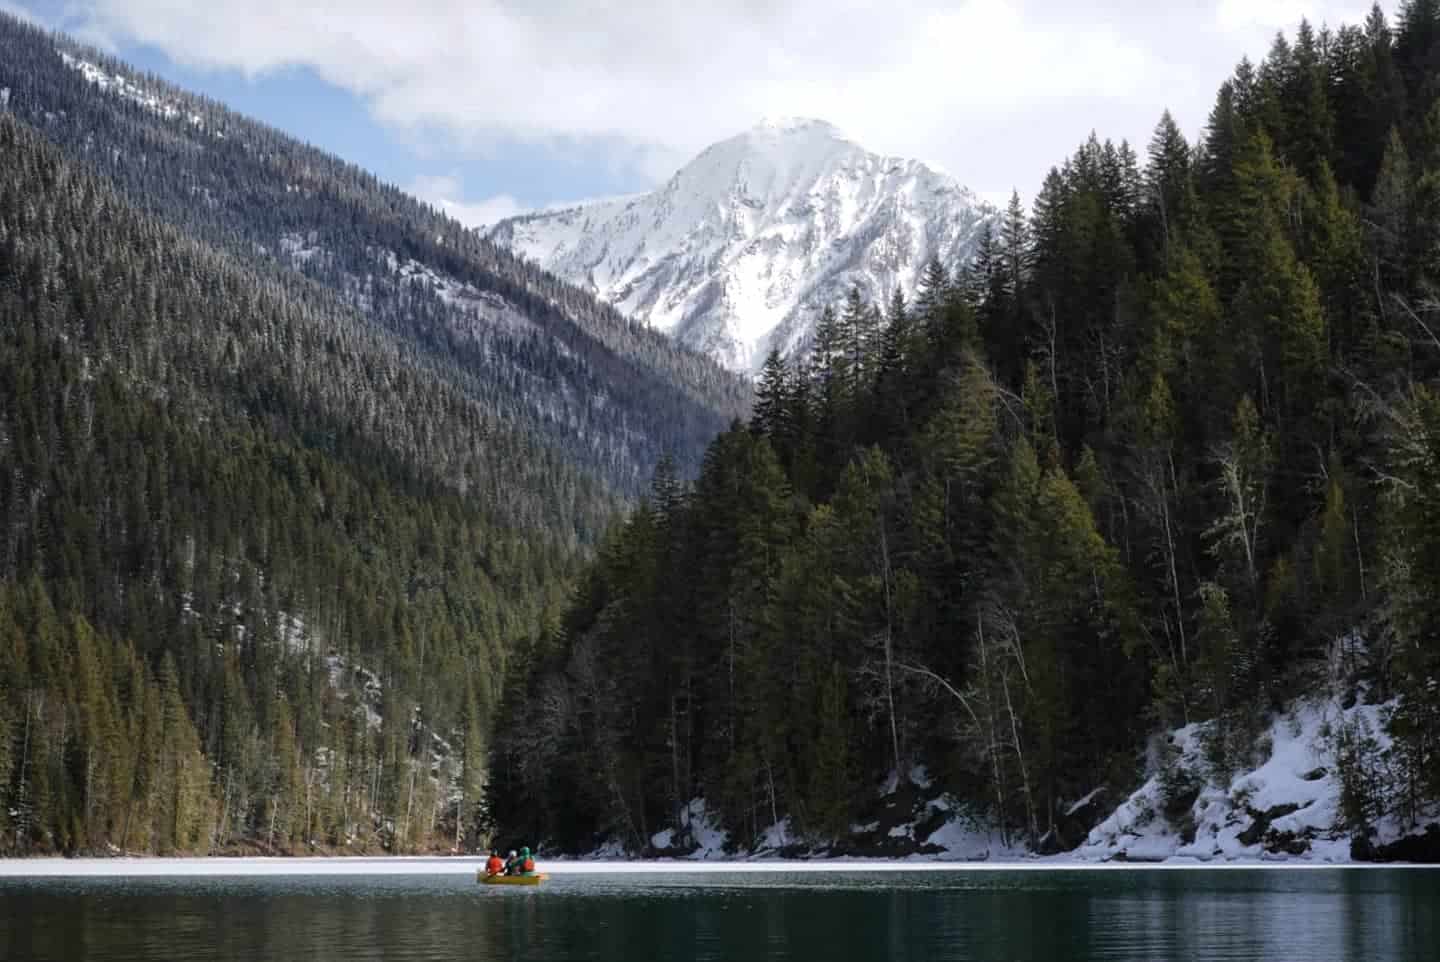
742, 247
469, 311
485, 307
129, 91
1287, 806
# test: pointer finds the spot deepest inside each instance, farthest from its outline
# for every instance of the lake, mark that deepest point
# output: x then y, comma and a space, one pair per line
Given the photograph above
834, 915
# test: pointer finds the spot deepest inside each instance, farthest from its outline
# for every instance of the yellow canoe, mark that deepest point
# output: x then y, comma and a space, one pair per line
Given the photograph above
510, 879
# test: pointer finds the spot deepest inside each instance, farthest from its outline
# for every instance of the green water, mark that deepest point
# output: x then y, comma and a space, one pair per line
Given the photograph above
1146, 916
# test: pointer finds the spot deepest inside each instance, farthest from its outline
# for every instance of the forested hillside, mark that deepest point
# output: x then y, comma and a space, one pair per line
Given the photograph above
289, 465
260, 566
608, 393
1172, 436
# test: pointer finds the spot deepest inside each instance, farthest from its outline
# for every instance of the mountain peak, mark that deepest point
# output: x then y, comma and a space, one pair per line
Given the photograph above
788, 135
780, 123
742, 247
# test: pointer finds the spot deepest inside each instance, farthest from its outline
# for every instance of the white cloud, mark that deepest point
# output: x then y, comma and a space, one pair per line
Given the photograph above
1286, 14
994, 90
445, 193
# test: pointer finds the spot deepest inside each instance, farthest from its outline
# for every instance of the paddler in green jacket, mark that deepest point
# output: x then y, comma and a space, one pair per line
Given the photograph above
522, 864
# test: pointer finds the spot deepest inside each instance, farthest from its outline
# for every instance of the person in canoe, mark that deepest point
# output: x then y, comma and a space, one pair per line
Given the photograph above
524, 864
512, 863
494, 865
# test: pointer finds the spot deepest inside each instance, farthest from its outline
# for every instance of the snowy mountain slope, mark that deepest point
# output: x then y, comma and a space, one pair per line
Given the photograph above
741, 248
600, 390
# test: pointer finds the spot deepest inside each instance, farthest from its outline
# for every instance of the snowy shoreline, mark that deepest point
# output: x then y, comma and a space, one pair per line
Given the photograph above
25, 868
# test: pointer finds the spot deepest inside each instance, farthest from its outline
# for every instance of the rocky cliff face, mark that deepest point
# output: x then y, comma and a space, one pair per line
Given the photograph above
742, 247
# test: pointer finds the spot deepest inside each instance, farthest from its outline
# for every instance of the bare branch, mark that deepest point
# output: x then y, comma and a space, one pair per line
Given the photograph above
1405, 306
932, 676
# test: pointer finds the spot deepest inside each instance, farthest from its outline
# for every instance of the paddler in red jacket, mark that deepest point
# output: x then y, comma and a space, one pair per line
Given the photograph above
494, 865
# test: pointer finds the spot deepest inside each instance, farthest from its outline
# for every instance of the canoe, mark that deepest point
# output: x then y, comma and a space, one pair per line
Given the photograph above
510, 879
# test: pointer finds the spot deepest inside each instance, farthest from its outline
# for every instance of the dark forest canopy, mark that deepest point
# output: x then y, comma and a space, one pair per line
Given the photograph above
1171, 436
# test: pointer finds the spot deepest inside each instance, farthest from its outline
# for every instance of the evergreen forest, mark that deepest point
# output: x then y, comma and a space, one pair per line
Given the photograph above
289, 465
1167, 452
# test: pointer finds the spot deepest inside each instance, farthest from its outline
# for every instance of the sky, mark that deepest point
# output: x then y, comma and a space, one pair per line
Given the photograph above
492, 107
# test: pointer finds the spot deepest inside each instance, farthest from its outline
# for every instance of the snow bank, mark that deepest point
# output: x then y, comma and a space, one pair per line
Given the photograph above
912, 821
697, 837
964, 840
1287, 807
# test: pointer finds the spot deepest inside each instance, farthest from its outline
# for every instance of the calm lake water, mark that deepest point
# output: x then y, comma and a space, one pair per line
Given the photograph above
1145, 916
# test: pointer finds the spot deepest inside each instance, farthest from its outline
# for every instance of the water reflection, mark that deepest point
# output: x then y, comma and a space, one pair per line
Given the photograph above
1017, 917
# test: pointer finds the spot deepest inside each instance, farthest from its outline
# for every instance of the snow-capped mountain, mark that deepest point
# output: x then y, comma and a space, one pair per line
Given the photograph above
741, 248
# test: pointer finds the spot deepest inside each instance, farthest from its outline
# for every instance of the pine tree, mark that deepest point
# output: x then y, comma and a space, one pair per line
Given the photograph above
934, 284
1390, 205
1334, 552
975, 278
1167, 179
858, 342
900, 349
1309, 124
770, 396
1417, 53
1223, 133
1016, 243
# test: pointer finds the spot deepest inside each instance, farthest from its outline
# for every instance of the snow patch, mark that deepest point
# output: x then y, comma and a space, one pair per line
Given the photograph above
613, 848
301, 248
1288, 806
345, 678
698, 836
776, 837
295, 634
965, 839
486, 307
132, 92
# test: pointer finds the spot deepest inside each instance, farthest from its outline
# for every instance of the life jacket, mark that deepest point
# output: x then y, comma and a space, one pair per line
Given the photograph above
528, 865
494, 866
